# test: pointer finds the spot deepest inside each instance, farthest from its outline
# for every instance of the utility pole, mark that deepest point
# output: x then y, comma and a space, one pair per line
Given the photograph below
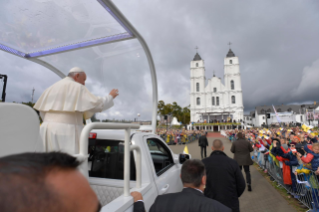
32, 94
5, 77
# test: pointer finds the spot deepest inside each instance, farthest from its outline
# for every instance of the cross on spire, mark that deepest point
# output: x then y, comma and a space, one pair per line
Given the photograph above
196, 48
229, 44
213, 73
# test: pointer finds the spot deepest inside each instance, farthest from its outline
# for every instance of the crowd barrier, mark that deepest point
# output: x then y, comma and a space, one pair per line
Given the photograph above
304, 187
179, 139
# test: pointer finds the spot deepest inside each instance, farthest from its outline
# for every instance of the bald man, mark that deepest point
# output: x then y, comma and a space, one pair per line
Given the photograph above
62, 108
225, 182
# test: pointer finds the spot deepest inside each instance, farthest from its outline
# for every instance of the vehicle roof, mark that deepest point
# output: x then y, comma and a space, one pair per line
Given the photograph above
115, 134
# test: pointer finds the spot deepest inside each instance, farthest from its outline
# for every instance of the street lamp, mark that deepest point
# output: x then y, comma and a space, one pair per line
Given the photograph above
138, 115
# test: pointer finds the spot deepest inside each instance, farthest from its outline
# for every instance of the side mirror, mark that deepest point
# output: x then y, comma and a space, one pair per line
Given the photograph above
183, 158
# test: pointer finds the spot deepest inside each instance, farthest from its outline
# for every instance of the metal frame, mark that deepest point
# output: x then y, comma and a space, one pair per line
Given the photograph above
3, 96
128, 25
130, 34
84, 144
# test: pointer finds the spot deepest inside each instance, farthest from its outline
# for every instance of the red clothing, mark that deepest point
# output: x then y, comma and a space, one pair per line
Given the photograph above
258, 145
307, 159
309, 156
268, 141
285, 169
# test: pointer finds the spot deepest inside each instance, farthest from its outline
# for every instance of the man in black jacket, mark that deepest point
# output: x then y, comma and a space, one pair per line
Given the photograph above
225, 182
190, 199
203, 143
241, 149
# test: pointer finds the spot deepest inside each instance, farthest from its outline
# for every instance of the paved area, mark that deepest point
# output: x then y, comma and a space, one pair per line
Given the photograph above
263, 198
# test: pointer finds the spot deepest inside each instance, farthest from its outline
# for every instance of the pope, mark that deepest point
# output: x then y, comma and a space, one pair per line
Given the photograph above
62, 107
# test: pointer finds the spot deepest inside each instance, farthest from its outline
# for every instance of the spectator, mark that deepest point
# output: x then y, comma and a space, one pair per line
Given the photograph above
48, 182
313, 139
203, 143
190, 199
312, 156
225, 182
241, 149
292, 160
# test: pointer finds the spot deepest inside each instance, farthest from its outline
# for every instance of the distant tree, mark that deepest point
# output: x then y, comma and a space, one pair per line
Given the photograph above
160, 108
182, 114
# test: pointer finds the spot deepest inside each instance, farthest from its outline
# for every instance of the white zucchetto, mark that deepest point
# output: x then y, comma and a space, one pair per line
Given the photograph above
76, 70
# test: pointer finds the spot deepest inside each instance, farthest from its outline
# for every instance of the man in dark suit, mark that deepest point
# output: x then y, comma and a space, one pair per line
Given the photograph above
241, 149
203, 143
225, 182
190, 199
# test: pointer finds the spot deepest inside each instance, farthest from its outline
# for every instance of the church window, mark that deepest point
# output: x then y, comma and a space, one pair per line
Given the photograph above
217, 100
198, 101
233, 99
279, 110
215, 90
213, 100
231, 61
196, 64
197, 87
232, 84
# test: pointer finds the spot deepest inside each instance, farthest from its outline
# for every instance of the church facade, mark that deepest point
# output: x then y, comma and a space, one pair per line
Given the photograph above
211, 100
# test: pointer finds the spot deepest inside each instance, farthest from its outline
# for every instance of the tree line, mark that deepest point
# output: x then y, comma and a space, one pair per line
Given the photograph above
181, 113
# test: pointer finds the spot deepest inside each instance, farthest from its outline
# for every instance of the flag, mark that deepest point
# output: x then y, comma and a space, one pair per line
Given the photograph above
313, 113
185, 150
278, 119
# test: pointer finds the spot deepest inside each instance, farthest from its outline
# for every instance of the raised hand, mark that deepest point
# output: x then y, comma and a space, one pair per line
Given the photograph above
114, 93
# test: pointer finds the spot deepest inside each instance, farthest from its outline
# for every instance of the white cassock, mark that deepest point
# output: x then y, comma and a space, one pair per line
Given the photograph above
62, 108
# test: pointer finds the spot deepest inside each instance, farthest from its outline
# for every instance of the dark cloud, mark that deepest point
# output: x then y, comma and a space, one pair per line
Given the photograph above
276, 42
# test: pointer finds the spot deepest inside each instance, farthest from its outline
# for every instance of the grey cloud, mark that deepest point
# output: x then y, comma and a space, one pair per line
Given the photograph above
273, 40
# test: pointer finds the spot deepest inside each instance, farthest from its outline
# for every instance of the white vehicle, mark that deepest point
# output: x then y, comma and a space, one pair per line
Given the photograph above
153, 169
116, 161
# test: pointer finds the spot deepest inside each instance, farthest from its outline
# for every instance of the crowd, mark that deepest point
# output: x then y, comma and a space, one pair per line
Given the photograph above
290, 156
178, 136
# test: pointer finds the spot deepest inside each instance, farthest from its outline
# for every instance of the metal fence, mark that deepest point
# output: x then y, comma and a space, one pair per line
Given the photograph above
304, 187
179, 139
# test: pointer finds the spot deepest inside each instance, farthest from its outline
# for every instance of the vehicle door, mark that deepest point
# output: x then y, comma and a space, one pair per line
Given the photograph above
166, 173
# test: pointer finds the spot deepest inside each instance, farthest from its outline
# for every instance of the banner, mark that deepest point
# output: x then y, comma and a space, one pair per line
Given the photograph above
278, 119
314, 115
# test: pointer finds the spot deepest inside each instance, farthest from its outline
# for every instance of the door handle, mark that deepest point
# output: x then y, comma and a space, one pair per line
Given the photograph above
165, 189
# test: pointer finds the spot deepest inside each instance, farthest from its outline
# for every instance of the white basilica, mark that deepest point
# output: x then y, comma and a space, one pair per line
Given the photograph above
212, 100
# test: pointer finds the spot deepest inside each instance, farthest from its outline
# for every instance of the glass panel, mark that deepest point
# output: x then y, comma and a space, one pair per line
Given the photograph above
121, 65
36, 25
107, 159
160, 155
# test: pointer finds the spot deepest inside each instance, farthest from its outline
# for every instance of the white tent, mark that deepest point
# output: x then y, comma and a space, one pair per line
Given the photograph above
175, 121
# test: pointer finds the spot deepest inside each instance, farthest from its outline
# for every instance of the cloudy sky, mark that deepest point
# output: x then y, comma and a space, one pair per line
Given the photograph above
276, 42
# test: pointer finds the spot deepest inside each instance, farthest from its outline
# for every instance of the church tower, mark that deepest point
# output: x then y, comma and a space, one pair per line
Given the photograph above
197, 94
234, 95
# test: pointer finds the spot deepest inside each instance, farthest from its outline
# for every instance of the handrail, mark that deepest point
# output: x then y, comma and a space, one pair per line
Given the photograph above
84, 143
138, 166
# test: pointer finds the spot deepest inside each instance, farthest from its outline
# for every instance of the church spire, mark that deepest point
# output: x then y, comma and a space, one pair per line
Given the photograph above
230, 53
197, 57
